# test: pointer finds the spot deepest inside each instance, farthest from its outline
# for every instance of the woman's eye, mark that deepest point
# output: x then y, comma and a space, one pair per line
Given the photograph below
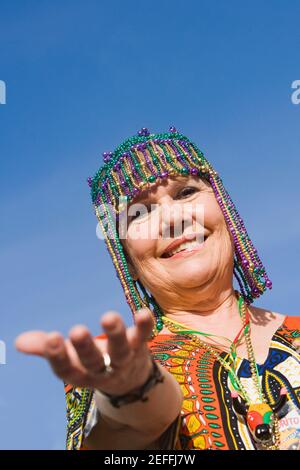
138, 212
187, 191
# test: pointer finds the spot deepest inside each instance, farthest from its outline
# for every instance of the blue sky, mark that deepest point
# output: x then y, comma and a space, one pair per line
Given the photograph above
83, 75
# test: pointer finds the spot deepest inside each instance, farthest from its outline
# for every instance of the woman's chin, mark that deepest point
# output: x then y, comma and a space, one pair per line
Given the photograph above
191, 274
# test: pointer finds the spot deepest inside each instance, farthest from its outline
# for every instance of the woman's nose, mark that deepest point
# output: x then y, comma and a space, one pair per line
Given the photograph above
175, 218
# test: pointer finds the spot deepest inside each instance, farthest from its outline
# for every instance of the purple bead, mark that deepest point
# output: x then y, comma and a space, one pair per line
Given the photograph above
89, 181
143, 132
164, 174
194, 171
172, 129
135, 191
269, 284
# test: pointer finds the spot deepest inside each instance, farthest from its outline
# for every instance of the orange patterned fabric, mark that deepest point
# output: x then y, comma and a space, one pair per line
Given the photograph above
208, 421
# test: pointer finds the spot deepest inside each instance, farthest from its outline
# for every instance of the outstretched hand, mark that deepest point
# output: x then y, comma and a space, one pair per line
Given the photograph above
78, 360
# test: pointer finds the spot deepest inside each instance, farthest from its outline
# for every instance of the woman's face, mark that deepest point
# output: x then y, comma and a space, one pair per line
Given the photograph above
185, 210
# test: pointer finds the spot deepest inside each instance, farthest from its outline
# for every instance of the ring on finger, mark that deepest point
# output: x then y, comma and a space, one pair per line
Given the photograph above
107, 368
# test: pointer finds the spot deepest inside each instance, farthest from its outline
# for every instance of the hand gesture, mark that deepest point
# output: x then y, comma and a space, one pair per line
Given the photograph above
79, 359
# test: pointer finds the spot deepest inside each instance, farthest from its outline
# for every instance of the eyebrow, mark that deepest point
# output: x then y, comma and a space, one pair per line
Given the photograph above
148, 193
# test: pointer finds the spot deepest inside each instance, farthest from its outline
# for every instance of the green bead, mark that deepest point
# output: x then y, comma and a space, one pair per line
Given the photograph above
184, 171
151, 179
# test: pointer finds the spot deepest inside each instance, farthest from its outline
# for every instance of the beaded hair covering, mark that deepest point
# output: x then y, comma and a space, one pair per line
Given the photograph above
135, 165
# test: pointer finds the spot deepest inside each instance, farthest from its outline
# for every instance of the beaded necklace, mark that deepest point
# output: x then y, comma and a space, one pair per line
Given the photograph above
230, 365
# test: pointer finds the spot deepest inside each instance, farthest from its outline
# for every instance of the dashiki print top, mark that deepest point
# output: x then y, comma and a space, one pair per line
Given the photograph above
208, 420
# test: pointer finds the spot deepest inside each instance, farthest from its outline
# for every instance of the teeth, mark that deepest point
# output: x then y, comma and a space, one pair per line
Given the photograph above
188, 246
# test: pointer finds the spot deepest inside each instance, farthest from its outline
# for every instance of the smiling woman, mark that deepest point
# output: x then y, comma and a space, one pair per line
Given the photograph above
160, 241
202, 367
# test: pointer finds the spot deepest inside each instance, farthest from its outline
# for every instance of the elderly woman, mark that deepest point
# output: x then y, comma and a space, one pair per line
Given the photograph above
201, 367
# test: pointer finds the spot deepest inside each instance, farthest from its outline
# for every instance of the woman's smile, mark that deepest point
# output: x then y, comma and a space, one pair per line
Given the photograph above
186, 249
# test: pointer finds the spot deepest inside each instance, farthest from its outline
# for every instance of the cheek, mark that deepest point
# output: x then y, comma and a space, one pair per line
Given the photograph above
140, 248
215, 222
213, 215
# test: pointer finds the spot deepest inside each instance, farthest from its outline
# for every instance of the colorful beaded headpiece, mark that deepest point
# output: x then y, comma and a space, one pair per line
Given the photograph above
147, 158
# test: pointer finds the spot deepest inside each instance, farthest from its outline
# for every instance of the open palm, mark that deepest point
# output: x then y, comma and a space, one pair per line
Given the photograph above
79, 360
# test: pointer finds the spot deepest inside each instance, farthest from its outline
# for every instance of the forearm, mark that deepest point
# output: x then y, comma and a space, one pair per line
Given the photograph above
152, 416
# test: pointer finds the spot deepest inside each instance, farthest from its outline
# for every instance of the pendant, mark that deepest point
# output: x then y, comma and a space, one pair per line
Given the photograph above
260, 417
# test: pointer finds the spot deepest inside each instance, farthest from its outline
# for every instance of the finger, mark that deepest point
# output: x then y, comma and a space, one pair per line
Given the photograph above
85, 346
141, 332
32, 342
117, 343
60, 354
58, 357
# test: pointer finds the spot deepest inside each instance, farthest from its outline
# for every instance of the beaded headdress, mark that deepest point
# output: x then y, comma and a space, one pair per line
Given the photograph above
132, 167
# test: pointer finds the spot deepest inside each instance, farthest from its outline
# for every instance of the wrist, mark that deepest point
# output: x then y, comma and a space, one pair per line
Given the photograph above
139, 393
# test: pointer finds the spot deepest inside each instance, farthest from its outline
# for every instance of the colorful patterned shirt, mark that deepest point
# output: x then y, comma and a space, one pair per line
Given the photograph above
208, 420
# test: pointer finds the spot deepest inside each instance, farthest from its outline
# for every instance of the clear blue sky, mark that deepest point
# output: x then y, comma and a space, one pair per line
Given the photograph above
81, 76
